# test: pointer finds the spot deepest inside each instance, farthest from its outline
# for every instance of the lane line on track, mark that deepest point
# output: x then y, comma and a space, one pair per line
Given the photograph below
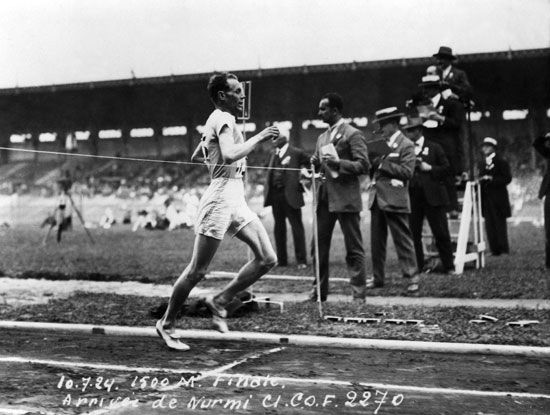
221, 369
15, 411
92, 365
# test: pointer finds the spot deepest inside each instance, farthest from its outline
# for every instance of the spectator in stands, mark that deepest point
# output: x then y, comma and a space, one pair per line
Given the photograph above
223, 209
494, 175
454, 77
444, 118
542, 145
341, 156
389, 201
429, 197
284, 193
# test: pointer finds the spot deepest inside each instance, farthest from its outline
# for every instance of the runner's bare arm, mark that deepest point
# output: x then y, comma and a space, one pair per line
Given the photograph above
232, 152
198, 154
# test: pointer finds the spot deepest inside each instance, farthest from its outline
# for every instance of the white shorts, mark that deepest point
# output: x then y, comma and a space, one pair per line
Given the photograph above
223, 209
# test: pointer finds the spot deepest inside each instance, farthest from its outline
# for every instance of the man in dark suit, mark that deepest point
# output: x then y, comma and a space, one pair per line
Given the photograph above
444, 121
429, 197
542, 145
284, 193
389, 201
341, 155
454, 77
494, 175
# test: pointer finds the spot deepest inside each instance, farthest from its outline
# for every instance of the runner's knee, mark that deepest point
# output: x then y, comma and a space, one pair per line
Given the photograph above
268, 261
196, 275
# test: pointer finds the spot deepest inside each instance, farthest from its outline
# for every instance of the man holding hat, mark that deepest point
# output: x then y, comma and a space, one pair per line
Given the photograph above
444, 118
494, 175
429, 197
454, 77
389, 201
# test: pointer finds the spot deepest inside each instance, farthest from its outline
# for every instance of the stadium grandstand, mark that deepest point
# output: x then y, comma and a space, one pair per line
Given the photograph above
159, 118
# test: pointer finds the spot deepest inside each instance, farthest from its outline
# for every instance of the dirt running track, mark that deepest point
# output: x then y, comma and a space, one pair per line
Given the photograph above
43, 372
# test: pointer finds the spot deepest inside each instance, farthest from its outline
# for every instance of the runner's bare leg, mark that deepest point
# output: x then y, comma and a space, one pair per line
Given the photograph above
256, 237
203, 251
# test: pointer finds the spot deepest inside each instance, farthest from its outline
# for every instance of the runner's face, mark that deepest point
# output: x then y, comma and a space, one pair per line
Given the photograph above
234, 97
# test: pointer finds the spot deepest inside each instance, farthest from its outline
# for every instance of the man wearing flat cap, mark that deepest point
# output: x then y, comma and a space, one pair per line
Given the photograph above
444, 118
454, 77
389, 201
494, 176
429, 198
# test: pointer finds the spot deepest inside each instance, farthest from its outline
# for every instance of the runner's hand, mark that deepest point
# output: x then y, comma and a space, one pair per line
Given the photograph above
270, 133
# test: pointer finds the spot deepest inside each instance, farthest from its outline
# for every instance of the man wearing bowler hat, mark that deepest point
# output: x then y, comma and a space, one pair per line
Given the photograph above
389, 201
456, 78
494, 176
429, 197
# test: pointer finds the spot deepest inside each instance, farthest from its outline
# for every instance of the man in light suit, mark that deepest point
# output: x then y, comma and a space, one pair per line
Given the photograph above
284, 193
429, 197
341, 156
389, 201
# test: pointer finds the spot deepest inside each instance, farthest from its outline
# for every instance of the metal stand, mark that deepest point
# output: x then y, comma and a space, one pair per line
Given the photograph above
79, 217
316, 240
471, 215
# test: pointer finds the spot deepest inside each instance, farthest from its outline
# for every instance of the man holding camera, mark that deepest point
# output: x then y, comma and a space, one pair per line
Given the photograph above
341, 155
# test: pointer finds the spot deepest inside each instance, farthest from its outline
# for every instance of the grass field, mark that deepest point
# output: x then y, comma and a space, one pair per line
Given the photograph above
159, 256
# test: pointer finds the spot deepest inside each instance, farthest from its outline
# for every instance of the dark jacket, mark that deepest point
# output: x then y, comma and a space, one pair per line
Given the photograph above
494, 194
448, 135
294, 158
544, 152
344, 192
458, 81
431, 183
391, 178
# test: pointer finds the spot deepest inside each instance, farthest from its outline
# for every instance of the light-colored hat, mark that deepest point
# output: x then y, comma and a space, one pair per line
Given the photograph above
432, 80
490, 141
387, 114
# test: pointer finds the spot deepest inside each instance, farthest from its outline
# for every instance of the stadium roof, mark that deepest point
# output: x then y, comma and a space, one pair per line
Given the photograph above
304, 69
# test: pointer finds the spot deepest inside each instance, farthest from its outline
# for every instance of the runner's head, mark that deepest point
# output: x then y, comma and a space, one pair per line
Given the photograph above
226, 92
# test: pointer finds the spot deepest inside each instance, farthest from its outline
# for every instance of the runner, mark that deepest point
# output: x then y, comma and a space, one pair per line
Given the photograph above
222, 209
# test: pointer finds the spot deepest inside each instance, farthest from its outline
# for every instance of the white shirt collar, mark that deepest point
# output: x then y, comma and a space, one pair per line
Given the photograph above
334, 128
447, 71
282, 150
436, 99
393, 138
419, 144
489, 158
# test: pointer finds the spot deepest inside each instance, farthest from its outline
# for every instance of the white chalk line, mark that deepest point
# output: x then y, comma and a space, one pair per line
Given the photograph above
91, 365
15, 411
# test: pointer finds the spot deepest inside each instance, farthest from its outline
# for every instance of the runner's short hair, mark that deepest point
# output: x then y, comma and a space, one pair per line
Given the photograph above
334, 101
217, 83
